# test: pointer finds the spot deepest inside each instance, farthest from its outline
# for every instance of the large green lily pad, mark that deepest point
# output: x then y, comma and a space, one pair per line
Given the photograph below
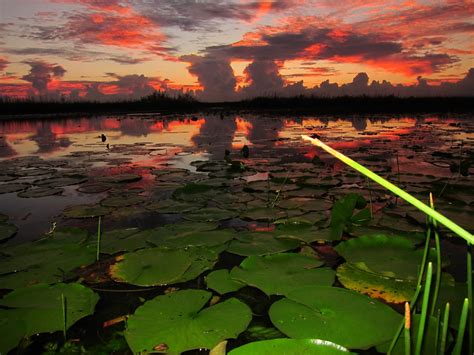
60, 181
14, 187
172, 231
204, 258
204, 238
394, 257
173, 206
290, 346
178, 322
151, 267
279, 274
45, 261
263, 243
390, 289
344, 213
221, 282
338, 315
86, 211
39, 309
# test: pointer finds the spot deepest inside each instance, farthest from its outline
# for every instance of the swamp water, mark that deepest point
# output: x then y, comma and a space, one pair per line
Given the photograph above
202, 242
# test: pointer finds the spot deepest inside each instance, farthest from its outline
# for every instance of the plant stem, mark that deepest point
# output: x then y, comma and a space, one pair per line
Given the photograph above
438, 322
407, 329
469, 297
424, 309
63, 303
438, 262
396, 190
98, 239
462, 327
444, 331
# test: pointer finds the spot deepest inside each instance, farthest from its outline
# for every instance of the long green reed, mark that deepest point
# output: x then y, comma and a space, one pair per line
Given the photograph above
424, 309
469, 297
63, 304
438, 261
407, 329
462, 327
444, 331
98, 239
396, 190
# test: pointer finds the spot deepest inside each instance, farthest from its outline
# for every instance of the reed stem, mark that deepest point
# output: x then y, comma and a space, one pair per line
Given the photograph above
444, 331
98, 239
396, 190
461, 329
63, 304
424, 309
407, 329
469, 297
438, 261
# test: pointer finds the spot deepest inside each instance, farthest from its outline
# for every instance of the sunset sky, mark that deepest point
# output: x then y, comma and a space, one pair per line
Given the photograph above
226, 50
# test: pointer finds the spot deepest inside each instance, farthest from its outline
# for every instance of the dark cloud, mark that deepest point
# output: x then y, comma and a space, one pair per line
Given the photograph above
215, 76
190, 15
41, 74
264, 79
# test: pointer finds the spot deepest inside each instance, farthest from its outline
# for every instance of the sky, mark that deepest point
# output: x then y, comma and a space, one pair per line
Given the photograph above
225, 50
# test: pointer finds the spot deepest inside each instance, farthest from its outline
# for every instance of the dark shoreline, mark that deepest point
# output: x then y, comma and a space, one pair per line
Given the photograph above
276, 105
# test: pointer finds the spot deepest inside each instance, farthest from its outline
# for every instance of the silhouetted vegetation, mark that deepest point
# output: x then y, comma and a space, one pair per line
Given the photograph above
161, 102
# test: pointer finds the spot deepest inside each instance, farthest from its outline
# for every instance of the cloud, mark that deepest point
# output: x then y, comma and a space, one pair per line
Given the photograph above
264, 79
193, 15
41, 74
215, 76
3, 63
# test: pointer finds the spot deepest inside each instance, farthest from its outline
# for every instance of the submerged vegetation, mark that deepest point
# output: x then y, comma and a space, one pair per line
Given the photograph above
244, 256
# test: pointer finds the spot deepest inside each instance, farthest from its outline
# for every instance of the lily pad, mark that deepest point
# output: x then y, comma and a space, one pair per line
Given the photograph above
9, 188
290, 346
127, 239
392, 290
263, 214
205, 238
120, 178
60, 181
395, 257
338, 315
178, 322
173, 206
86, 211
247, 244
93, 188
279, 274
122, 201
44, 261
151, 267
172, 231
221, 282
203, 259
39, 309
210, 214
7, 230
41, 192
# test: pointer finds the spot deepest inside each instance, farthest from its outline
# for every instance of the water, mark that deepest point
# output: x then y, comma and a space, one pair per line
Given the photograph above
139, 144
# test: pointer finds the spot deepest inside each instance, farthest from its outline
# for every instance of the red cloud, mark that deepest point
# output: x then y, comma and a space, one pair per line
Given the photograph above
3, 63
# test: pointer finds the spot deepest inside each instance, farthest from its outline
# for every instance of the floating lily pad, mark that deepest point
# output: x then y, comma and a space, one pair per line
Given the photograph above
3, 218
305, 204
127, 239
93, 188
203, 259
9, 188
122, 201
279, 274
344, 215
173, 206
221, 282
191, 189
247, 244
178, 322
45, 261
393, 290
60, 181
290, 346
41, 192
39, 309
7, 230
86, 211
198, 238
395, 257
210, 214
335, 314
121, 178
151, 267
263, 214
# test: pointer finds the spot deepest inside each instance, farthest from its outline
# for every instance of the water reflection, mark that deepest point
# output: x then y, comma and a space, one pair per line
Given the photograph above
5, 149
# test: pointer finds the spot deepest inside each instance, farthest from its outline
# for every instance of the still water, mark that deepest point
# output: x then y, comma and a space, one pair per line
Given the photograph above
412, 151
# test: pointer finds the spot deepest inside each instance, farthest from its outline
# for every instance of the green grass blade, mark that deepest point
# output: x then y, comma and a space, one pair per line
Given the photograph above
98, 239
469, 297
461, 329
434, 300
424, 309
396, 190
